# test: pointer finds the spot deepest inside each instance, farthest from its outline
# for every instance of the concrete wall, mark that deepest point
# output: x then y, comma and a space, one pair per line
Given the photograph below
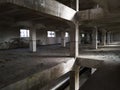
10, 38
42, 38
116, 36
7, 35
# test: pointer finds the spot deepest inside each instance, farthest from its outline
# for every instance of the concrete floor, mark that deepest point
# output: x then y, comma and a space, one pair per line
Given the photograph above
47, 50
107, 53
17, 66
27, 63
105, 78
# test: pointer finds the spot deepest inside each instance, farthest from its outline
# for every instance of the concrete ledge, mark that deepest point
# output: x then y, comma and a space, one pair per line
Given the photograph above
41, 79
92, 63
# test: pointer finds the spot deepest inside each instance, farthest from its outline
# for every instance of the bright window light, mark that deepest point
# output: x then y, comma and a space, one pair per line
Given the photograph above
66, 34
24, 33
51, 34
83, 35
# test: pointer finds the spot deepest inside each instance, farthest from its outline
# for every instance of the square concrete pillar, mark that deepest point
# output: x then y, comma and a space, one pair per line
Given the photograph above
74, 77
94, 38
63, 41
74, 80
108, 37
111, 38
74, 41
77, 5
104, 36
33, 40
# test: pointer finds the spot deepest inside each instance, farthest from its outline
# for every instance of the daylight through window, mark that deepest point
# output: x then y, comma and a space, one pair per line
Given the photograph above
24, 33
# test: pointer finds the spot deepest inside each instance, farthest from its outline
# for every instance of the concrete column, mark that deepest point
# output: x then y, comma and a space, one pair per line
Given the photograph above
63, 42
77, 5
108, 37
95, 37
74, 78
33, 39
111, 38
104, 37
74, 40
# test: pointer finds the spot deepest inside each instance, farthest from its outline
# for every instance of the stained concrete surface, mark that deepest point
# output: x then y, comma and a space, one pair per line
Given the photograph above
16, 66
105, 78
108, 53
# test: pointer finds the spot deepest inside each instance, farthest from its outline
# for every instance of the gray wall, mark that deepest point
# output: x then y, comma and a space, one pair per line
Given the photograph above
116, 36
7, 36
44, 40
10, 38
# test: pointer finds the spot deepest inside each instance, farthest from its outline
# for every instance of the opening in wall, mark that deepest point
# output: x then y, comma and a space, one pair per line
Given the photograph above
24, 33
66, 34
83, 35
51, 34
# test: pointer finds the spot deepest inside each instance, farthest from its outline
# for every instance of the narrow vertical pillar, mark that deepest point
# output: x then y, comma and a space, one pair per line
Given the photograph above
111, 37
104, 37
77, 5
95, 37
74, 79
108, 38
63, 42
33, 39
74, 40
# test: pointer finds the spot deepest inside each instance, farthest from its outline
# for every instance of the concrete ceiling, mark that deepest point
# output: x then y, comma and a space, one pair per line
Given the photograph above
84, 4
11, 14
112, 6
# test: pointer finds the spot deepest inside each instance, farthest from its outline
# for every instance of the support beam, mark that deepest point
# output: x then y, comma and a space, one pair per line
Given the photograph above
74, 40
74, 78
63, 41
33, 40
95, 37
50, 8
77, 5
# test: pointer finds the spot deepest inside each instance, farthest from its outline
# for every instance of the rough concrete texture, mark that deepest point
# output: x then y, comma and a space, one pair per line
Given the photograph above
105, 78
108, 53
24, 71
90, 14
26, 68
11, 39
48, 7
